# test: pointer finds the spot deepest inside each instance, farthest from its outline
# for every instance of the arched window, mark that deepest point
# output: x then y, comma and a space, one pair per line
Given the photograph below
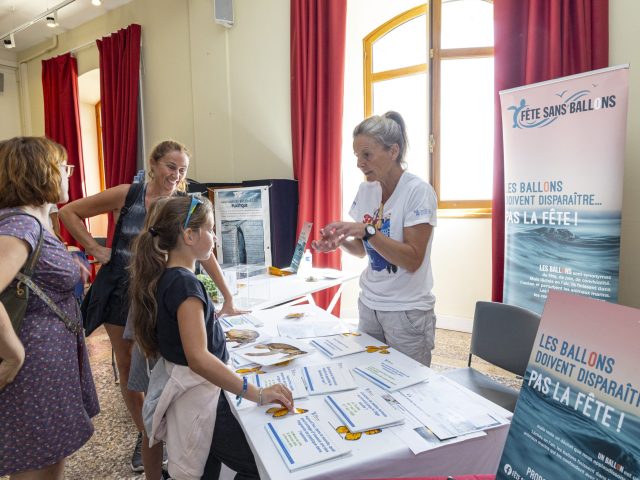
435, 66
395, 78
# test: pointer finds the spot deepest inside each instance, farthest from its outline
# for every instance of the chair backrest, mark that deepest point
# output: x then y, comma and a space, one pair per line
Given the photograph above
503, 335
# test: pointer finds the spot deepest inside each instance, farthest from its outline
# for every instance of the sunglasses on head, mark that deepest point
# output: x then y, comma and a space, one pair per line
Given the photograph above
195, 201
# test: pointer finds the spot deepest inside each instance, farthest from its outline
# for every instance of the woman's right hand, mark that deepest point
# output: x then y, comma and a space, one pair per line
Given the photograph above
101, 254
278, 393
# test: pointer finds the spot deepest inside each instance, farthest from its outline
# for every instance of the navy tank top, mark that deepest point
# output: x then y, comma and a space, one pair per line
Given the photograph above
131, 225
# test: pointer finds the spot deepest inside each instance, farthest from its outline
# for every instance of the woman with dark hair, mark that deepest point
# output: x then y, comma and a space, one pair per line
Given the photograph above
47, 395
394, 213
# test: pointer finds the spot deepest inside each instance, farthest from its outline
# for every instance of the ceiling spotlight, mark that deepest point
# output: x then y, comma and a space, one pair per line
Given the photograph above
52, 20
97, 3
9, 42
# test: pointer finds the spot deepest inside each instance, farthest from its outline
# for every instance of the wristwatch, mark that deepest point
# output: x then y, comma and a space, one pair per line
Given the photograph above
369, 231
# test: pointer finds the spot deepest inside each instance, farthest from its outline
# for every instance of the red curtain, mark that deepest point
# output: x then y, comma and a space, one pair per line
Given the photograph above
119, 91
538, 40
318, 29
62, 119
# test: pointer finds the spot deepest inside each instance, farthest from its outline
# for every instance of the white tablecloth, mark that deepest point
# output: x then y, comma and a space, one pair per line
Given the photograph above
373, 456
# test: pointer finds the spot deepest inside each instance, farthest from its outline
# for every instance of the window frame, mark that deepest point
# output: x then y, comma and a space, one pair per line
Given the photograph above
367, 47
432, 67
454, 208
98, 112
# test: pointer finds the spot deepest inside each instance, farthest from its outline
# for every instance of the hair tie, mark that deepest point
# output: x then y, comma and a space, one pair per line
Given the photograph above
153, 232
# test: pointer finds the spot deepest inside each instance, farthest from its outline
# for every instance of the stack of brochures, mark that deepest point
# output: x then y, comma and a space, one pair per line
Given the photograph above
302, 440
393, 375
321, 379
361, 410
337, 346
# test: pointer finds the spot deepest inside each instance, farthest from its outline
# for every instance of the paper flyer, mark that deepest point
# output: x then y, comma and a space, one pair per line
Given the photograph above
302, 321
277, 350
303, 440
240, 321
415, 435
301, 244
311, 326
578, 411
241, 362
392, 375
321, 379
445, 409
362, 410
242, 225
564, 144
290, 378
337, 346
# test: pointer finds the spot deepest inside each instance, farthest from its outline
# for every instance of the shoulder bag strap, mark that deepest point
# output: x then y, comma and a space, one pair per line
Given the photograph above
30, 265
72, 326
25, 274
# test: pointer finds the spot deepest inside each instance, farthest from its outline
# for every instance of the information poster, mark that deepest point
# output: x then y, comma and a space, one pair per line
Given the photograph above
563, 162
577, 416
242, 226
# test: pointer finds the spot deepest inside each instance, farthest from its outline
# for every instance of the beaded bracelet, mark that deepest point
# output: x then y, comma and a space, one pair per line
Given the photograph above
244, 390
260, 396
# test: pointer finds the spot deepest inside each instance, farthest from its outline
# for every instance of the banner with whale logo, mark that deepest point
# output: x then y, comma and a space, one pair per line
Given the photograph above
564, 157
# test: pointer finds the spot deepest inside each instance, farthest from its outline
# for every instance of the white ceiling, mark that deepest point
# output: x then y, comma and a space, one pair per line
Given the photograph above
14, 13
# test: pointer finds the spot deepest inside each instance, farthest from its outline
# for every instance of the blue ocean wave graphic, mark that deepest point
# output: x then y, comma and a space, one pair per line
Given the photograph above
580, 436
592, 246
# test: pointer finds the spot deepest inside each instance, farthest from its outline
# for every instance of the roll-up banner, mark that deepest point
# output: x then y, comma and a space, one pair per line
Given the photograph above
563, 162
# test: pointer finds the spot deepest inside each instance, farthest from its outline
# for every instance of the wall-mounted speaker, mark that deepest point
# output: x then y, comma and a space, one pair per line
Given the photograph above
223, 12
1, 82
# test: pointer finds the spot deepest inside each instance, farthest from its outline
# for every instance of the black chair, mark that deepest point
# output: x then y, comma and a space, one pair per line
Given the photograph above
503, 335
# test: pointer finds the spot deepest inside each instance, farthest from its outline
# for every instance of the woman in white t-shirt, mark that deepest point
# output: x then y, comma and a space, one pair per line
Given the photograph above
394, 213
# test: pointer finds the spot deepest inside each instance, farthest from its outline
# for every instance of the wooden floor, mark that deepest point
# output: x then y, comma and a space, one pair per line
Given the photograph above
107, 454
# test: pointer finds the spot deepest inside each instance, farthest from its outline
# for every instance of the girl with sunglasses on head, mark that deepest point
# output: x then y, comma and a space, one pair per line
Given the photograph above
173, 317
107, 302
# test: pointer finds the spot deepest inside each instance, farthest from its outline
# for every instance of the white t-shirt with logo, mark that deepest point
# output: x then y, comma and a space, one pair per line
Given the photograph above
385, 286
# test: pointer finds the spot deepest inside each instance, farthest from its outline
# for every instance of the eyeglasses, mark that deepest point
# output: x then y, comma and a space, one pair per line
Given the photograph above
68, 169
195, 201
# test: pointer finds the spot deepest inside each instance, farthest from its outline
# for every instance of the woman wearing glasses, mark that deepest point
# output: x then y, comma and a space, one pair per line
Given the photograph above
47, 395
108, 301
394, 213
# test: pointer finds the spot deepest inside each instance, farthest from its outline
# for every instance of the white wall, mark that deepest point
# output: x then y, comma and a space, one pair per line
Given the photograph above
623, 41
9, 99
240, 84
